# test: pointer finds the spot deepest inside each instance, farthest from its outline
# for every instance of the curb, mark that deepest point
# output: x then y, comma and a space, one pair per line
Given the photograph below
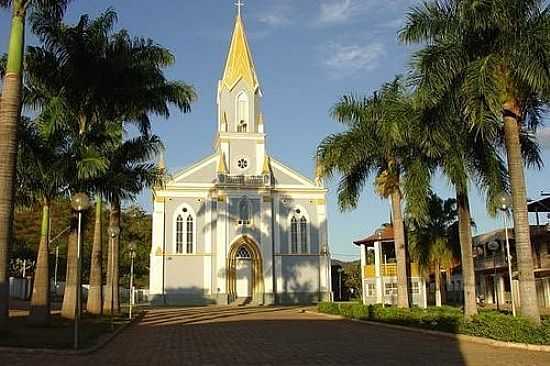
461, 337
102, 342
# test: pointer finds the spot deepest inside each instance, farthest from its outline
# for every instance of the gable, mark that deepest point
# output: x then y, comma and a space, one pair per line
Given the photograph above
201, 172
285, 176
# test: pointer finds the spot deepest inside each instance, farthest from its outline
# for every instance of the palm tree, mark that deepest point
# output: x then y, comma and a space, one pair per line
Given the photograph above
494, 55
107, 80
430, 241
376, 142
95, 292
41, 174
130, 171
10, 115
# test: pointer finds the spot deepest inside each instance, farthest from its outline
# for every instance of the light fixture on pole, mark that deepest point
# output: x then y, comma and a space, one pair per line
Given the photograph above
114, 231
132, 249
504, 202
80, 203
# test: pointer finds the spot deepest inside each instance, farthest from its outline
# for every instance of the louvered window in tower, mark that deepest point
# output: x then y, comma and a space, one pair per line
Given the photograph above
242, 113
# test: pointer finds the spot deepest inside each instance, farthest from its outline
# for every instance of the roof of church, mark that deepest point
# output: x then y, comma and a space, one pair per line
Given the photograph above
239, 64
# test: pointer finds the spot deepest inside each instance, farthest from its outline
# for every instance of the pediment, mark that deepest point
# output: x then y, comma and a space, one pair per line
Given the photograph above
203, 171
286, 176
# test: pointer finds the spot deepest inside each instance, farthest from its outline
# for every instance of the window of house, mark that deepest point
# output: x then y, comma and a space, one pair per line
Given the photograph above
185, 231
391, 288
371, 289
299, 233
415, 288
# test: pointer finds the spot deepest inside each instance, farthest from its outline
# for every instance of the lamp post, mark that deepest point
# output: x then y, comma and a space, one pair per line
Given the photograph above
114, 231
504, 202
80, 203
132, 248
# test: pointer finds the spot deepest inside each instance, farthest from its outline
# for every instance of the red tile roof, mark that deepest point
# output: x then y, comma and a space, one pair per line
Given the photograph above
387, 235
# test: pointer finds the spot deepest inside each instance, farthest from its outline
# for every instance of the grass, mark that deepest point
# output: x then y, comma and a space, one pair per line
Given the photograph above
58, 334
488, 323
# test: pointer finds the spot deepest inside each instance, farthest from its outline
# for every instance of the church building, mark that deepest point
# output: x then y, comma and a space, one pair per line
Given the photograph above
239, 226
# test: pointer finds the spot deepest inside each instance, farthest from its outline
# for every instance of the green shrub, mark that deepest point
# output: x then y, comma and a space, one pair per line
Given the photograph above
489, 324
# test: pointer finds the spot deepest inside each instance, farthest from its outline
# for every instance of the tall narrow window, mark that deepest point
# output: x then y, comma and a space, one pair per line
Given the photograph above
179, 234
293, 235
189, 234
244, 212
303, 234
242, 113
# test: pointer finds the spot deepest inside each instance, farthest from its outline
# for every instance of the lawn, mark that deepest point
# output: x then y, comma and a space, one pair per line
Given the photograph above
59, 334
488, 323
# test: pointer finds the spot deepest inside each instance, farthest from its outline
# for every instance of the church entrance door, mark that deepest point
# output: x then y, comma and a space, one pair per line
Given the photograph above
244, 271
244, 278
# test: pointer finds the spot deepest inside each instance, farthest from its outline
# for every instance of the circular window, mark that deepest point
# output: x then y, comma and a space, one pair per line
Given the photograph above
184, 209
242, 163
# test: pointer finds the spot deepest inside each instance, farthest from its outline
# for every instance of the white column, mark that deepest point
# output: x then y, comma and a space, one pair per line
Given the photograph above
221, 250
266, 242
363, 250
323, 242
378, 271
208, 247
156, 262
500, 289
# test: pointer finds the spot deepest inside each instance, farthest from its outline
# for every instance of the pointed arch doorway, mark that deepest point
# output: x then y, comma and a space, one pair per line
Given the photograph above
244, 271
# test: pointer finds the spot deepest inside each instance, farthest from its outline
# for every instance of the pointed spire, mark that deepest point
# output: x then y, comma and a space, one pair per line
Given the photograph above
239, 64
266, 170
222, 168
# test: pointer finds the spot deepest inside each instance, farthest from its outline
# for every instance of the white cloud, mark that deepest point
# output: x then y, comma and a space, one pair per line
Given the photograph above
274, 19
544, 137
339, 11
345, 60
277, 15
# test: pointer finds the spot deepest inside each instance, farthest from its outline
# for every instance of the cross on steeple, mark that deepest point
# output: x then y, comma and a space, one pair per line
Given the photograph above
239, 5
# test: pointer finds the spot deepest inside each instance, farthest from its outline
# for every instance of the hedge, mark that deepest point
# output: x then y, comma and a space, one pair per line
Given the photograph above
488, 323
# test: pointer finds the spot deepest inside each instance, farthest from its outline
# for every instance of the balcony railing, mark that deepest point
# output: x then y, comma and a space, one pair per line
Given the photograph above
488, 262
388, 270
243, 180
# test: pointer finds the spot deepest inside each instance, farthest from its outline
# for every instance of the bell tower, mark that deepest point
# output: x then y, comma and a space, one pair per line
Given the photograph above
240, 140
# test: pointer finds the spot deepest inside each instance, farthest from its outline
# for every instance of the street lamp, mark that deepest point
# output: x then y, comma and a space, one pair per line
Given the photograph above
114, 231
504, 202
80, 203
132, 248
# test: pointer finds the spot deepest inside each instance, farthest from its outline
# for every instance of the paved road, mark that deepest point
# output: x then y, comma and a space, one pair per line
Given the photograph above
275, 336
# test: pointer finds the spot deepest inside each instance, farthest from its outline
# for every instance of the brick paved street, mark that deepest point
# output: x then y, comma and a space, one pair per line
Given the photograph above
275, 336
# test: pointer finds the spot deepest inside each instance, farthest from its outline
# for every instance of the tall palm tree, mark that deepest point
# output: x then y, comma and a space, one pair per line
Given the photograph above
107, 80
494, 54
430, 241
130, 171
95, 292
375, 142
41, 173
10, 115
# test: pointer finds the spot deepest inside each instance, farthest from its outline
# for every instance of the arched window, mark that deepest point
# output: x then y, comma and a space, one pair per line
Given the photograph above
243, 253
185, 230
293, 235
189, 234
299, 232
242, 112
179, 234
303, 234
244, 212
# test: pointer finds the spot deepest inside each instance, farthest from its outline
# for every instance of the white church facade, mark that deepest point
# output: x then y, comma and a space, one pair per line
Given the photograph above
239, 225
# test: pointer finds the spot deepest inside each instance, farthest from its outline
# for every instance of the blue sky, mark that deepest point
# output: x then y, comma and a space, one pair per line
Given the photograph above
307, 53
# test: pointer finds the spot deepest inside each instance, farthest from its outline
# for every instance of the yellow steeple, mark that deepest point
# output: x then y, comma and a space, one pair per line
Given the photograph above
239, 64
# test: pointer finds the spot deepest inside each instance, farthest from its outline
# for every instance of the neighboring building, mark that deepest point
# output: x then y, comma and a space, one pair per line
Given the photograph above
491, 267
239, 224
379, 271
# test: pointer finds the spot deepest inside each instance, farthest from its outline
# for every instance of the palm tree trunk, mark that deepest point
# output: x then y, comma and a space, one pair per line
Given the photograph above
112, 271
40, 301
527, 289
96, 282
467, 258
10, 114
69, 296
437, 283
400, 251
